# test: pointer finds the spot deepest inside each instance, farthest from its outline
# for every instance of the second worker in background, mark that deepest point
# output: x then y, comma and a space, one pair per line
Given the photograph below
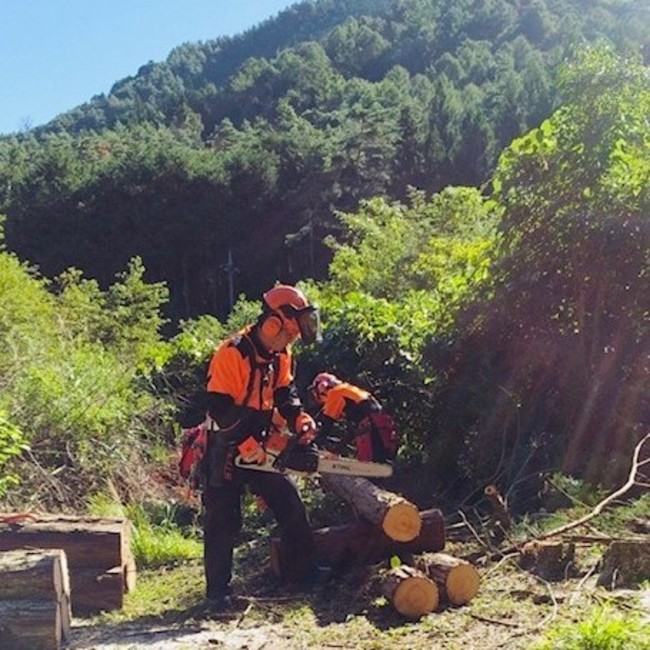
372, 430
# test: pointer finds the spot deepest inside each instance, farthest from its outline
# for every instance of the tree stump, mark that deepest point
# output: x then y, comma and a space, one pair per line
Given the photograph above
362, 542
410, 591
626, 562
551, 560
500, 514
458, 580
34, 599
397, 517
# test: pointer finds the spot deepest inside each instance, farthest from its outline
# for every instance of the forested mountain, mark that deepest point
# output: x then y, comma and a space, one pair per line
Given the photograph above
247, 146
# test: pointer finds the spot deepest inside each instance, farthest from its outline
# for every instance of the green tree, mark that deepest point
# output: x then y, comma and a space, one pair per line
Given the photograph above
399, 277
565, 335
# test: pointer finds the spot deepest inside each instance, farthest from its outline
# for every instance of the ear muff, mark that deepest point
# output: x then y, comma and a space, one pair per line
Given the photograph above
272, 326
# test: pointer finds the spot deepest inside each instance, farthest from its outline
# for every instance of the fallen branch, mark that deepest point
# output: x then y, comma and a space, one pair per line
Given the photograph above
472, 530
244, 614
631, 481
494, 621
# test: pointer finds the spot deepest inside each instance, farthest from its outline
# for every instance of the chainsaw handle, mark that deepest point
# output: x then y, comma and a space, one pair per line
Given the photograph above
280, 463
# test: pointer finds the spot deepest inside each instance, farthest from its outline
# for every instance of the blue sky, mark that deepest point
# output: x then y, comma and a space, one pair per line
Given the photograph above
57, 54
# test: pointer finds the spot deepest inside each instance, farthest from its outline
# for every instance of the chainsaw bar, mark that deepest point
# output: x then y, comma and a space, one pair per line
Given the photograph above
349, 466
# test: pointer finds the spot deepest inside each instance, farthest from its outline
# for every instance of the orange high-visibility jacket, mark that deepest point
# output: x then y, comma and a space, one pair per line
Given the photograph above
346, 402
230, 371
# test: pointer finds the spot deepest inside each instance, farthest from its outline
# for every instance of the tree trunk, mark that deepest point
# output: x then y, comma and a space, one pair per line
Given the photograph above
362, 542
457, 579
410, 591
626, 563
500, 514
33, 574
552, 560
397, 517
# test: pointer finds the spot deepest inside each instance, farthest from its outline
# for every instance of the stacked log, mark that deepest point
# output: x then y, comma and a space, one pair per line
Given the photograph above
101, 566
398, 518
392, 525
458, 580
411, 592
361, 542
34, 600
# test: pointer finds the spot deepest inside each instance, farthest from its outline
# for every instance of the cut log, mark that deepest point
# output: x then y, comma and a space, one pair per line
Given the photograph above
35, 576
30, 625
95, 592
457, 579
97, 549
396, 516
361, 542
626, 563
89, 542
410, 591
552, 560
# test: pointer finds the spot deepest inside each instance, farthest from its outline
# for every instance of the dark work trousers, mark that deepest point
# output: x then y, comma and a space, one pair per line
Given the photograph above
222, 522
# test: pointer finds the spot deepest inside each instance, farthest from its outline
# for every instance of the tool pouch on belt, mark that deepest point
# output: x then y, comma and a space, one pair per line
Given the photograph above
222, 446
220, 459
377, 438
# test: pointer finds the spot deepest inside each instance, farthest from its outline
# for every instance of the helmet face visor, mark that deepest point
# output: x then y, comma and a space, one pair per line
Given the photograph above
309, 323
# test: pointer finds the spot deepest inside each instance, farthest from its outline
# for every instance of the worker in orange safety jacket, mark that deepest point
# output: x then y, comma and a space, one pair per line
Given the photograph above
251, 374
374, 432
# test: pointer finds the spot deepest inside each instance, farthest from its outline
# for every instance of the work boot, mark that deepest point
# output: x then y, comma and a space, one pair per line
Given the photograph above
220, 600
317, 576
220, 603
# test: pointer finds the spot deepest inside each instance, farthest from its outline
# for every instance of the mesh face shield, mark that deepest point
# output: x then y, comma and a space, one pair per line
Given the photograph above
308, 321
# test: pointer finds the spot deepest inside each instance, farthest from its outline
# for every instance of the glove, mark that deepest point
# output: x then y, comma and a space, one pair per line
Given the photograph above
251, 451
303, 458
305, 427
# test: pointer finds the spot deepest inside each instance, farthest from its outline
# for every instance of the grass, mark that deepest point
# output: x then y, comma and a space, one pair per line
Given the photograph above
157, 540
513, 608
154, 546
613, 521
603, 629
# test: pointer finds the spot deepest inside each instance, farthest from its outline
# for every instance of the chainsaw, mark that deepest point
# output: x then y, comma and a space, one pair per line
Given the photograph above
280, 456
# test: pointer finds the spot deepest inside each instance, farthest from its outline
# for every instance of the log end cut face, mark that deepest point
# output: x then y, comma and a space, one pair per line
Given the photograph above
415, 597
462, 584
402, 522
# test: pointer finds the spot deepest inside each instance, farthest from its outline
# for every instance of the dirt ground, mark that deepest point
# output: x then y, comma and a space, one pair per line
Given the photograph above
186, 636
511, 612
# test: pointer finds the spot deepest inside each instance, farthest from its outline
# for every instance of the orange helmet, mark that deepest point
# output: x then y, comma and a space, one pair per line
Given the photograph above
291, 303
321, 385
